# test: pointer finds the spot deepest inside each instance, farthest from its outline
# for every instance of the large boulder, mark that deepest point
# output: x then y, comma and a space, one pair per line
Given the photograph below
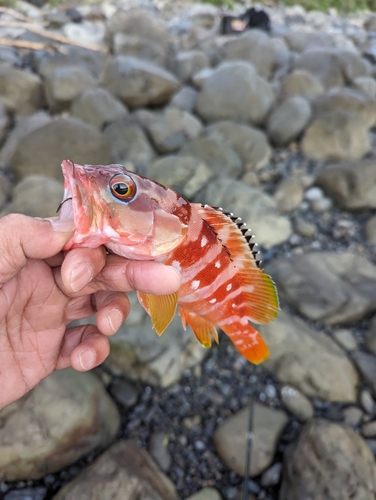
308, 360
329, 460
61, 138
339, 135
331, 287
137, 82
352, 185
235, 91
66, 416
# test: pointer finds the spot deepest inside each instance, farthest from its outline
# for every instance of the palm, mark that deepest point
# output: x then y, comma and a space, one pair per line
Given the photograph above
32, 326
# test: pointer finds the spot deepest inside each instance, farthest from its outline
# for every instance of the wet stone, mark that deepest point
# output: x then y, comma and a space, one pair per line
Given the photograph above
308, 360
328, 459
159, 451
352, 415
297, 403
230, 438
346, 339
123, 468
125, 392
367, 402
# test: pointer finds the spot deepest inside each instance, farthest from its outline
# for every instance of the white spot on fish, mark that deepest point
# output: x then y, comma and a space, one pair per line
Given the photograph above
217, 264
195, 284
238, 342
212, 301
233, 305
228, 287
176, 265
203, 241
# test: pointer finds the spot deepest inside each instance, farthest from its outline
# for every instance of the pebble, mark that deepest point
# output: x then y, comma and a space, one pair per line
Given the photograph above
297, 403
352, 415
367, 402
346, 339
272, 476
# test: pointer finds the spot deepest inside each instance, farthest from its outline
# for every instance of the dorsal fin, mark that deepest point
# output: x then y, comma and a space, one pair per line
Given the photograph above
259, 288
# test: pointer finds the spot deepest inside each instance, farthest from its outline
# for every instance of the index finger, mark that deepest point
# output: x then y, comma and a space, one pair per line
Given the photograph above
122, 275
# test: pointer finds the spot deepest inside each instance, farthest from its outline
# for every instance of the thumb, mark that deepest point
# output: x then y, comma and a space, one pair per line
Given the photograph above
23, 238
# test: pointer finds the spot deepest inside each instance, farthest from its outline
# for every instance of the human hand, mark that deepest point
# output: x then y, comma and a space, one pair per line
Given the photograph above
42, 290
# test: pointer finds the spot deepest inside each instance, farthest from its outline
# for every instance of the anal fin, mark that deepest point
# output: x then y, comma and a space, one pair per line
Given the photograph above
202, 328
161, 309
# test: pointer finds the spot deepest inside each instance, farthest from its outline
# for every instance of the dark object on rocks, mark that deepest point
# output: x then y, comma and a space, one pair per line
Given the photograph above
74, 15
252, 18
37, 3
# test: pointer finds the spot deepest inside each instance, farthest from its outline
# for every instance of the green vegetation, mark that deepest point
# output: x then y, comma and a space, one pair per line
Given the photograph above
343, 6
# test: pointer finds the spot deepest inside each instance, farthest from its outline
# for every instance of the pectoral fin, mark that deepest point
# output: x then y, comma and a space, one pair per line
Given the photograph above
161, 309
202, 328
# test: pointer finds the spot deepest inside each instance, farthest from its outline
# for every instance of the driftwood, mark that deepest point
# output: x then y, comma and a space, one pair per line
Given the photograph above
42, 32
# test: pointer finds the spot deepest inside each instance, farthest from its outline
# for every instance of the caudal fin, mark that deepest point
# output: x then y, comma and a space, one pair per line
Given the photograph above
248, 342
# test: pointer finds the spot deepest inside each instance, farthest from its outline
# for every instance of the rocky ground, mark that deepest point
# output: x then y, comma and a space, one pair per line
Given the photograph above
277, 127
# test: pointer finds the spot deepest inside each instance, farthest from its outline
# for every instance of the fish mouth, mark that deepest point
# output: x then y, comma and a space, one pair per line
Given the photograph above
74, 205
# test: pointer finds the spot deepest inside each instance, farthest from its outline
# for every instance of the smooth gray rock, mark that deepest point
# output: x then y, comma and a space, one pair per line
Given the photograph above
206, 494
339, 135
172, 129
20, 90
333, 67
23, 127
188, 63
184, 174
297, 403
97, 107
352, 185
185, 98
137, 82
308, 360
123, 472
289, 193
366, 364
331, 287
217, 155
91, 61
36, 196
128, 142
66, 416
234, 91
250, 144
346, 99
288, 120
62, 138
301, 41
253, 46
230, 438
301, 82
329, 460
64, 84
138, 33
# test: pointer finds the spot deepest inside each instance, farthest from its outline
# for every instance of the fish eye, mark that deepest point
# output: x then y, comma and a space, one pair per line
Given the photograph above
122, 187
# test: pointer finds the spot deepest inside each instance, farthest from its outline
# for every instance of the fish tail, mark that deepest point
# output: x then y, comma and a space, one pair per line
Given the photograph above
248, 342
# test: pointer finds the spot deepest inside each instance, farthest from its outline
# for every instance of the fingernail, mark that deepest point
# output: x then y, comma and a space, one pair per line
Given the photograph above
87, 359
62, 225
81, 275
115, 319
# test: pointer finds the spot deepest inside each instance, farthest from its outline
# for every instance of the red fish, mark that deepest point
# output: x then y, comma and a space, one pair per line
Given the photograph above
139, 218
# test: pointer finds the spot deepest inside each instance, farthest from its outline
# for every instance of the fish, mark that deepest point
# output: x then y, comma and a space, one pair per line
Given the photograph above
222, 284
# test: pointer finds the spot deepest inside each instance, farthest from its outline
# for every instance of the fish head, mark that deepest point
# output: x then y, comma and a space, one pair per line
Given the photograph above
131, 215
